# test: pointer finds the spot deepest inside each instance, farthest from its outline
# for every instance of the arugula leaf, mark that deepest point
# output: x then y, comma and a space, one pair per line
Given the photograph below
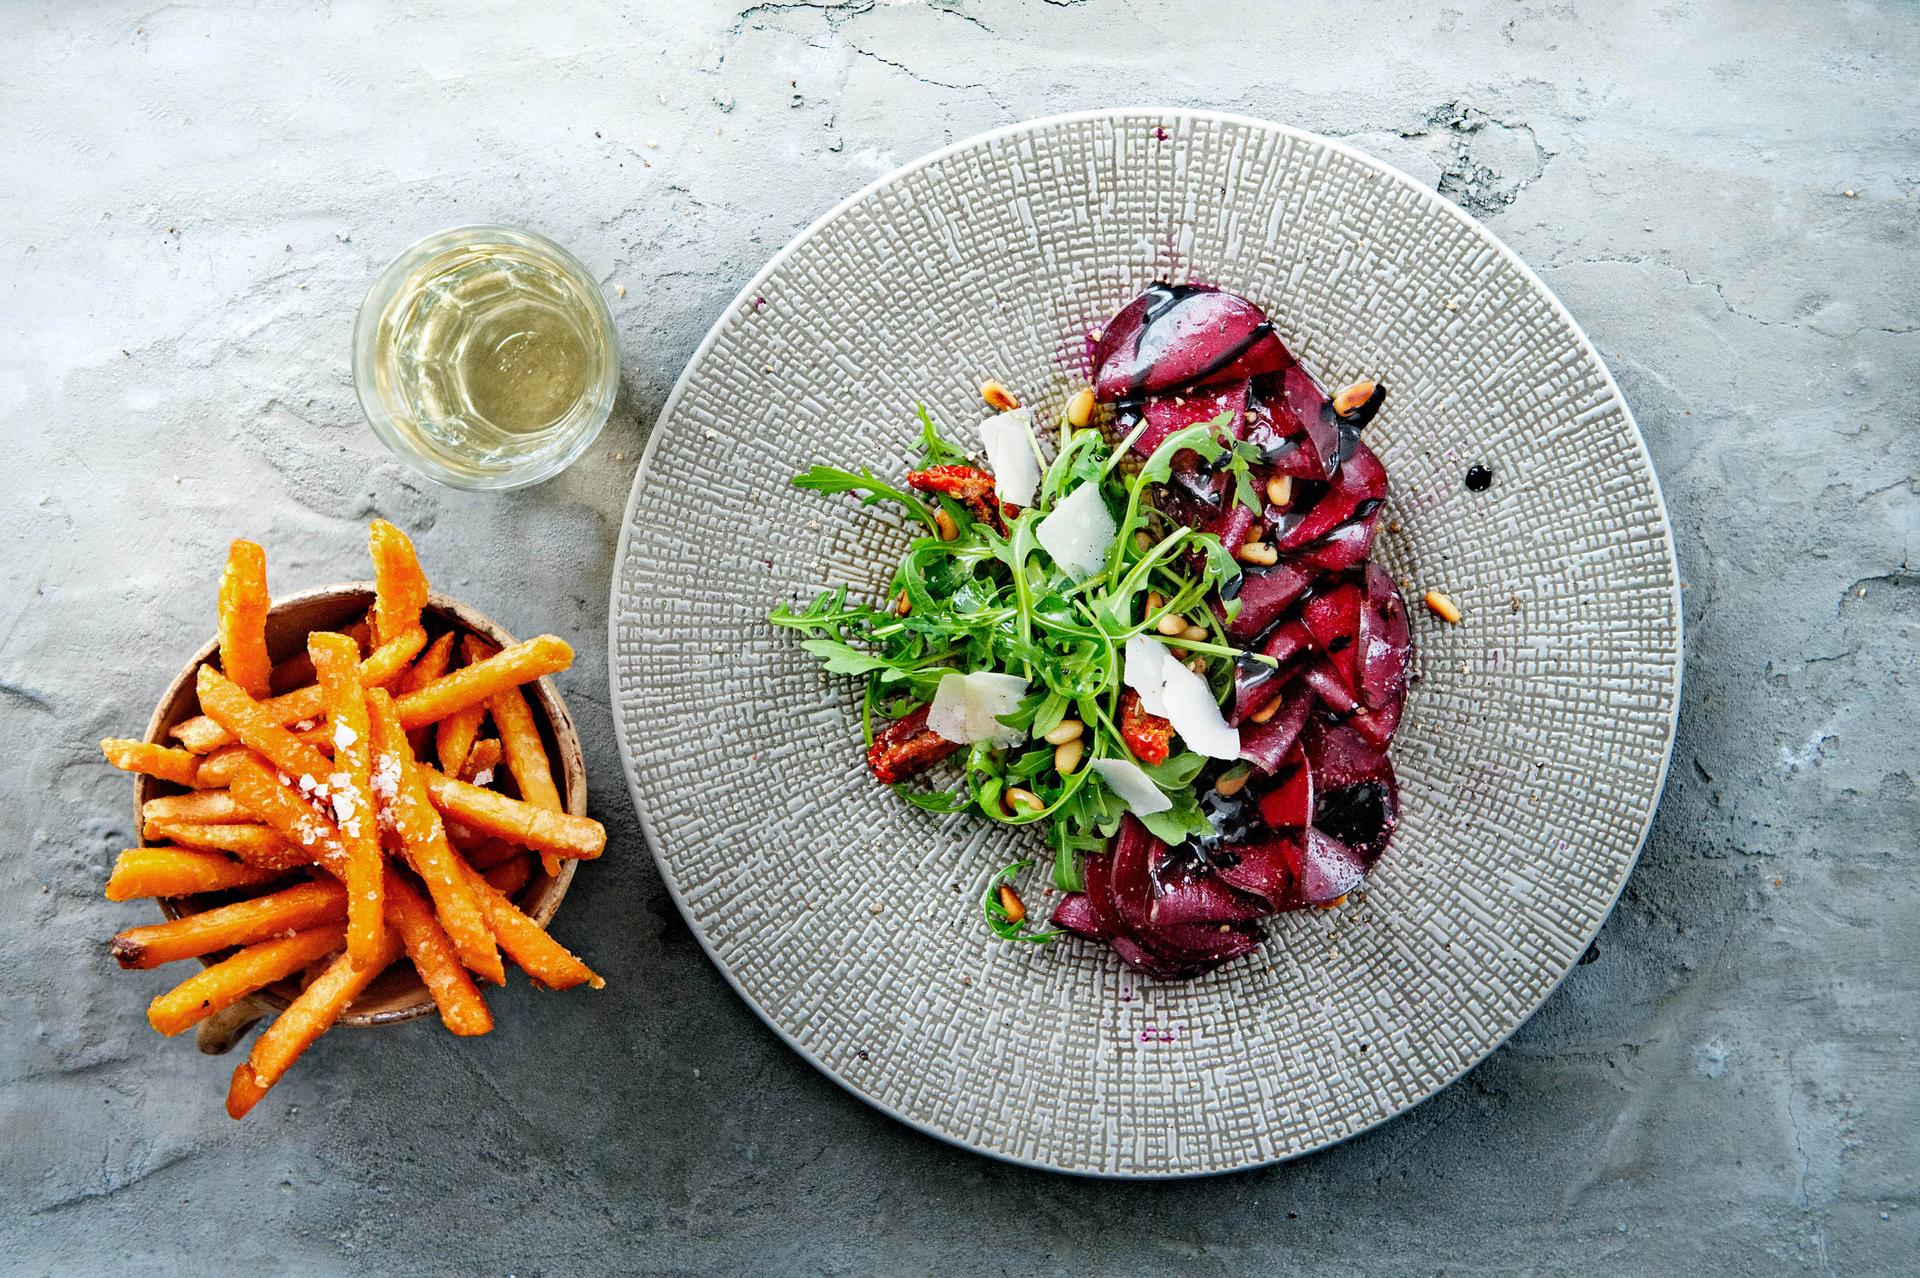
934, 449
1001, 922
844, 658
831, 479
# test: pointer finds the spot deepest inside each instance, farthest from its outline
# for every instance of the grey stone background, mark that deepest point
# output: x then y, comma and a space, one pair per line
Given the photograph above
1724, 194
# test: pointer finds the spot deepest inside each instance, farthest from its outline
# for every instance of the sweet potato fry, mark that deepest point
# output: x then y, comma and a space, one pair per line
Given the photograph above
399, 586
481, 762
432, 664
306, 1019
471, 685
292, 909
227, 982
255, 844
142, 872
544, 959
243, 619
509, 876
526, 757
462, 1009
202, 734
297, 671
228, 704
216, 769
487, 852
182, 767
454, 735
216, 806
336, 661
403, 797
560, 833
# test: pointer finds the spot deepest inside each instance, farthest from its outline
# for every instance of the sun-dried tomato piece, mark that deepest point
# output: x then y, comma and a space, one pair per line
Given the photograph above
1147, 735
968, 485
905, 746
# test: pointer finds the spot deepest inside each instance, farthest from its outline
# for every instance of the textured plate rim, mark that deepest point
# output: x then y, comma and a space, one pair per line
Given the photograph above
1433, 200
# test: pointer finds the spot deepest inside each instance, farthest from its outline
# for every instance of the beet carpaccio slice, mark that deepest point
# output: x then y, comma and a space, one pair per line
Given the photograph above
1321, 801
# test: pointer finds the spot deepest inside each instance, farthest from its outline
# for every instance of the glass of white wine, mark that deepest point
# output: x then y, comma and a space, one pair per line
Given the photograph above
485, 357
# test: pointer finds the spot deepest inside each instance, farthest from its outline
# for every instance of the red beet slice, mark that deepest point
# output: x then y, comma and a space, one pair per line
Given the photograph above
1183, 335
1264, 596
1265, 745
1356, 795
1332, 617
1289, 804
1165, 414
1264, 870
1327, 871
1356, 493
1383, 644
1076, 914
1302, 410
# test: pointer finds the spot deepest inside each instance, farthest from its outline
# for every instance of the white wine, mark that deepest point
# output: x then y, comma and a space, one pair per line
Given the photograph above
489, 351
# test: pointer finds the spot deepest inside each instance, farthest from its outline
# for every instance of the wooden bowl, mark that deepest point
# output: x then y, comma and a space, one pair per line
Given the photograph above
398, 994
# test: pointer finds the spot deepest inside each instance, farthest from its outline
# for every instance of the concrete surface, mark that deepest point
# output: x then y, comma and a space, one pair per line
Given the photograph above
1725, 195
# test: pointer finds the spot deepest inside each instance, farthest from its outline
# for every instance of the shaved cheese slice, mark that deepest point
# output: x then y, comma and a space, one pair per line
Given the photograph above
1195, 715
1136, 789
1079, 532
1012, 455
966, 707
1145, 673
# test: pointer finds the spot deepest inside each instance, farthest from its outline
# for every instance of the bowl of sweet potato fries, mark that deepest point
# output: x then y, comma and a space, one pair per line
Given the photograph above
355, 804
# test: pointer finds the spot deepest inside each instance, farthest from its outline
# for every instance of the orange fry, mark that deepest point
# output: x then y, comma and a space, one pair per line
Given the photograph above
336, 661
215, 806
526, 943
202, 734
306, 1019
304, 905
232, 979
471, 685
399, 586
488, 852
228, 704
254, 844
432, 664
297, 671
509, 876
481, 762
182, 767
462, 1009
526, 757
560, 833
243, 619
179, 872
454, 735
403, 797
216, 769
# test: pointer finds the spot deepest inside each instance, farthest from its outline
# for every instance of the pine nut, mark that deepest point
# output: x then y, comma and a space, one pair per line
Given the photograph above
1067, 756
1064, 731
1266, 712
1352, 397
1154, 601
1010, 902
1198, 665
1280, 490
1442, 607
1017, 798
1194, 634
901, 604
1232, 782
1173, 625
998, 397
1080, 407
1257, 552
944, 522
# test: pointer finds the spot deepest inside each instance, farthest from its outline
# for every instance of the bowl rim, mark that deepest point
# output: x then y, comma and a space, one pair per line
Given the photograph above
548, 706
1431, 200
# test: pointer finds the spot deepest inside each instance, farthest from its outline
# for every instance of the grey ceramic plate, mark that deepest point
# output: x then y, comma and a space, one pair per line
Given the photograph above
1530, 758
